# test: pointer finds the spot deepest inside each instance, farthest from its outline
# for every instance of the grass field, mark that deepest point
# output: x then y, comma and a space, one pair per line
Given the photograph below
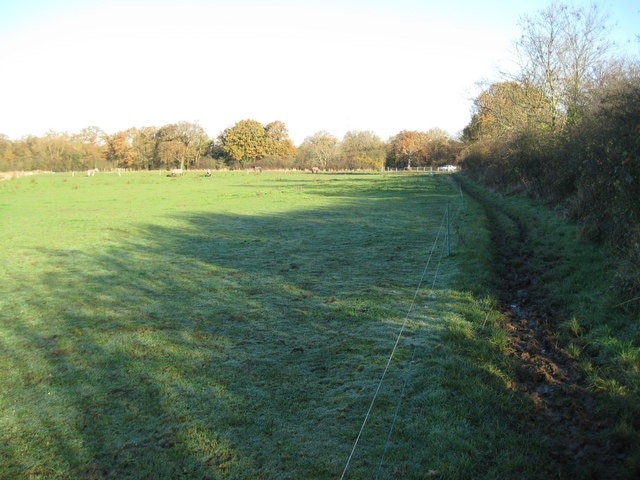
239, 327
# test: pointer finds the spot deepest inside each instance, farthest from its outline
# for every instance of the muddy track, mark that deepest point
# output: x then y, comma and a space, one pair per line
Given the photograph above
565, 413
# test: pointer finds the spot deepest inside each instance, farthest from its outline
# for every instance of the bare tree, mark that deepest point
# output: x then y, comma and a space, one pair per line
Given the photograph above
319, 150
562, 51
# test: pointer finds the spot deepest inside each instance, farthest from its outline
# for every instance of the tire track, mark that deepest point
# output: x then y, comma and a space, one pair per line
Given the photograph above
565, 412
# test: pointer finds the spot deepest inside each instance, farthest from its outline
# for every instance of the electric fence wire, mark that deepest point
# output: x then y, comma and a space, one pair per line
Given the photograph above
407, 377
395, 346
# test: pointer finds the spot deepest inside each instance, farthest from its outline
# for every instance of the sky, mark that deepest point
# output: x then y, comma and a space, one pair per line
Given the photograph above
316, 65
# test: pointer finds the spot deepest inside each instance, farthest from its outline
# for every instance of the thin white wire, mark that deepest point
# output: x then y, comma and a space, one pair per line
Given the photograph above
395, 415
405, 383
395, 347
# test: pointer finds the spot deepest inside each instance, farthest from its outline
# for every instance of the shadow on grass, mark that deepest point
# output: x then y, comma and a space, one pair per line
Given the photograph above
235, 346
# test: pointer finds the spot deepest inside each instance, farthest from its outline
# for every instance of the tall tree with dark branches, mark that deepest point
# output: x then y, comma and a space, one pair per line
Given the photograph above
563, 50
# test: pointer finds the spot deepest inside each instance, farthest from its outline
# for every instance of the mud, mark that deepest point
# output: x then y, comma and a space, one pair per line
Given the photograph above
565, 414
582, 441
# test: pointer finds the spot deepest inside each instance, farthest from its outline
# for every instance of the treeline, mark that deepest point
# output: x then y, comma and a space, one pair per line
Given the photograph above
248, 143
566, 130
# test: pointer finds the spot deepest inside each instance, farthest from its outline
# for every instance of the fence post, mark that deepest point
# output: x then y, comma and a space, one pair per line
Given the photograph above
448, 231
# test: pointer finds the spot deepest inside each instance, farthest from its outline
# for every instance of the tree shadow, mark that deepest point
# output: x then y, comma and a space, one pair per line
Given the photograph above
220, 346
207, 349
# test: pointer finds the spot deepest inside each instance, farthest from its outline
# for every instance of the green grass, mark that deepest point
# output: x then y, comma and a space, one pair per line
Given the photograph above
238, 326
577, 282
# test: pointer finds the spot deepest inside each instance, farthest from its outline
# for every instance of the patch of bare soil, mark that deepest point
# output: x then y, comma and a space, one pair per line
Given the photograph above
565, 413
582, 440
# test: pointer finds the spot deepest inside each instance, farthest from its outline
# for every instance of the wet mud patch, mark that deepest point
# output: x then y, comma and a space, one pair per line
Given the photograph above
565, 413
582, 440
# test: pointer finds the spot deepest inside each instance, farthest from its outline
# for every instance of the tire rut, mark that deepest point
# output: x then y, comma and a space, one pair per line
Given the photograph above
565, 412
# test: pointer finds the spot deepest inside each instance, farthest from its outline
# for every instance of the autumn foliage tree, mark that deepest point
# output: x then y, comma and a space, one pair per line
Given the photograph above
144, 143
7, 154
180, 144
362, 150
278, 142
58, 151
248, 141
508, 118
407, 148
412, 148
504, 109
245, 142
119, 149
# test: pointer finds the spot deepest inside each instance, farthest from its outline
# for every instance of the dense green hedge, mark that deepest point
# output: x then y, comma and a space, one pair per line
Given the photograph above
589, 168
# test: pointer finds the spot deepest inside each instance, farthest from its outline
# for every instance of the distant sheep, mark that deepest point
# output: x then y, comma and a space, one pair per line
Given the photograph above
176, 171
92, 172
315, 169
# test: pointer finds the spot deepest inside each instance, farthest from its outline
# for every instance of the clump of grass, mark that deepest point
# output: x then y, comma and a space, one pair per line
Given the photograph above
572, 326
608, 386
500, 340
460, 329
630, 355
574, 350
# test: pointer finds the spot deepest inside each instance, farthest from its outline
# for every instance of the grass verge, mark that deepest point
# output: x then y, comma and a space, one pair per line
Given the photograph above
573, 284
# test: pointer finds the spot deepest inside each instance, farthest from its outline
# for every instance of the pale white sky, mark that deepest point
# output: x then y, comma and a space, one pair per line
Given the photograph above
379, 65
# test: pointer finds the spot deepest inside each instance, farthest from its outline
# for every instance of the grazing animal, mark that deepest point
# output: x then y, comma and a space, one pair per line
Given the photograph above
257, 169
315, 169
176, 171
92, 172
207, 173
